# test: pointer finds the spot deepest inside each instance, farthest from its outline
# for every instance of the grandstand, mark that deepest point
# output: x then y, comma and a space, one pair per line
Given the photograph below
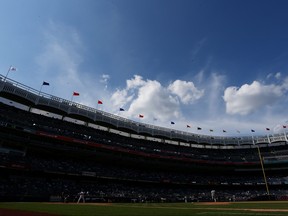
51, 147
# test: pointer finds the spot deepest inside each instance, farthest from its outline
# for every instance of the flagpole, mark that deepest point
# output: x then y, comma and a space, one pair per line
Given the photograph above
39, 92
171, 129
187, 126
268, 138
139, 116
7, 73
253, 137
284, 128
40, 89
154, 119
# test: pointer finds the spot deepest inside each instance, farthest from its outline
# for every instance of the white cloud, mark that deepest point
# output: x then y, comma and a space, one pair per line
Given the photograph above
200, 76
60, 58
137, 81
249, 98
104, 79
214, 90
153, 100
186, 91
60, 64
278, 75
285, 83
150, 98
197, 48
269, 76
120, 98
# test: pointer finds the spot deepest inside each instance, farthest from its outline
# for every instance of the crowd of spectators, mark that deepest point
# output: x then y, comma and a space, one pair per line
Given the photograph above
36, 188
83, 167
34, 122
32, 172
34, 176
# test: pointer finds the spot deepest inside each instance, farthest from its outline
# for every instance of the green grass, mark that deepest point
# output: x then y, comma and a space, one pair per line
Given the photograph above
151, 209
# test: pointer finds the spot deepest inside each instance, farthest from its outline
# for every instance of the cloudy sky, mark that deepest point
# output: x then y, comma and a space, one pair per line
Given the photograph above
215, 64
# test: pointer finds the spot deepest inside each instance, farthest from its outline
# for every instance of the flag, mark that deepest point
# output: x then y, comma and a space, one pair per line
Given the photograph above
211, 130
224, 131
121, 109
141, 116
199, 128
45, 83
172, 122
188, 126
268, 129
252, 130
12, 69
76, 94
100, 102
284, 126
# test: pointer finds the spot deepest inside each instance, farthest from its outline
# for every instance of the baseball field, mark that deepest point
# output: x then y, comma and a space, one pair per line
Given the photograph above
146, 209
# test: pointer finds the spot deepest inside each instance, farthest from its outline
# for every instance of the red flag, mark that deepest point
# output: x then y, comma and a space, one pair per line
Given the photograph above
100, 102
141, 116
76, 94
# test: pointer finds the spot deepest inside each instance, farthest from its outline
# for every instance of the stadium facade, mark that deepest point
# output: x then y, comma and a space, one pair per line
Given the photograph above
116, 159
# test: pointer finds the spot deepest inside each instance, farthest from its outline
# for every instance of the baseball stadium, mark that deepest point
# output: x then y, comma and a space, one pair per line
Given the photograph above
60, 157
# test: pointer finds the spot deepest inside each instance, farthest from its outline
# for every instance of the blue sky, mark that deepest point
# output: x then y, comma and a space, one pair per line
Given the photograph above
215, 64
